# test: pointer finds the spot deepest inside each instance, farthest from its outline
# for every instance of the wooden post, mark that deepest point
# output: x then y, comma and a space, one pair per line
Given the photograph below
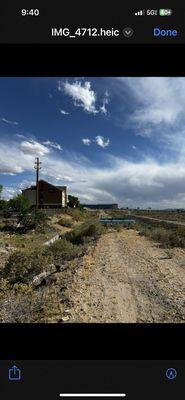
37, 167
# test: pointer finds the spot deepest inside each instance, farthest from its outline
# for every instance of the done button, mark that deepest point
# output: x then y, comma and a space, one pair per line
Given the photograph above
158, 32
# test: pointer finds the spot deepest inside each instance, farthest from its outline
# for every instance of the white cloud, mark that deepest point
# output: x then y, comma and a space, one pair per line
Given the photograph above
63, 112
53, 144
103, 108
133, 184
9, 192
156, 109
102, 142
159, 100
86, 141
7, 121
81, 93
33, 147
134, 147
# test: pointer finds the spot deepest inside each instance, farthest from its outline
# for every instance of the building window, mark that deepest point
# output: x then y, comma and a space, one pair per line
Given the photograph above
51, 190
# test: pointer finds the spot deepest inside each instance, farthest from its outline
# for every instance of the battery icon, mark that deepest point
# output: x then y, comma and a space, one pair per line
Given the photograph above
165, 12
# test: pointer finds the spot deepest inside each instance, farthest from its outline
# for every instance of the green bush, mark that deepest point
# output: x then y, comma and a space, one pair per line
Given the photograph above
34, 220
85, 232
3, 204
76, 213
65, 222
19, 203
22, 266
62, 250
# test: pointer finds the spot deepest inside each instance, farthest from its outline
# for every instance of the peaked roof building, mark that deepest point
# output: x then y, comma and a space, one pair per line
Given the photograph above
49, 196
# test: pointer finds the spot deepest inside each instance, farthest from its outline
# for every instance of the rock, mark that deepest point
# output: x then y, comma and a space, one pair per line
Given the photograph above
37, 280
65, 319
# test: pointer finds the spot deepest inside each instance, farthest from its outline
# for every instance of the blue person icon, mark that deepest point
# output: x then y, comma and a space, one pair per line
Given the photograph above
14, 374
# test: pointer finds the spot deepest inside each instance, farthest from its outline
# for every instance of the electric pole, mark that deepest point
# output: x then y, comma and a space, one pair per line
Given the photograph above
37, 167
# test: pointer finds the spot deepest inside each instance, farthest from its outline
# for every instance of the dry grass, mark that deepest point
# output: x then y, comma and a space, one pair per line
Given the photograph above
26, 258
161, 232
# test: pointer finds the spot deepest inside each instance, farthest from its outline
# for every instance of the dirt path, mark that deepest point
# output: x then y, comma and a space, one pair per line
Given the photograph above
159, 220
127, 279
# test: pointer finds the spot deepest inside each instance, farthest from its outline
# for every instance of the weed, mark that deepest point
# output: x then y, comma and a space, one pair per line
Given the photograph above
65, 222
85, 232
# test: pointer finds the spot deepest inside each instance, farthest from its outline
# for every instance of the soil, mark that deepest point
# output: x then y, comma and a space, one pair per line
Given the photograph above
127, 278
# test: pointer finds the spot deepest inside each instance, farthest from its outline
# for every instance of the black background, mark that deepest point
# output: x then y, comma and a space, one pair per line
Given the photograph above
144, 380
68, 341
118, 14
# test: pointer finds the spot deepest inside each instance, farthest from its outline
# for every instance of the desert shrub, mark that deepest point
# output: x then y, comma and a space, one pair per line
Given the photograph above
4, 285
6, 213
77, 214
84, 232
30, 306
22, 288
65, 222
163, 233
34, 220
3, 204
22, 266
62, 250
118, 228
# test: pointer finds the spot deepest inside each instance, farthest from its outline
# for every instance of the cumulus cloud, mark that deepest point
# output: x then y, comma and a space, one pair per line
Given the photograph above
99, 140
7, 121
63, 112
53, 144
81, 93
102, 142
86, 141
84, 96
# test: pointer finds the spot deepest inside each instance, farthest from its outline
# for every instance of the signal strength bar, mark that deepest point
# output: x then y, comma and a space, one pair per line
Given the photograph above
140, 13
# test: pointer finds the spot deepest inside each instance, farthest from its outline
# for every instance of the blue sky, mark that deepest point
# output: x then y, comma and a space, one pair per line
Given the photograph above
108, 139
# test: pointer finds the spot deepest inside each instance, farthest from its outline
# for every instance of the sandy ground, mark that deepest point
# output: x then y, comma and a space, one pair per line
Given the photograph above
127, 278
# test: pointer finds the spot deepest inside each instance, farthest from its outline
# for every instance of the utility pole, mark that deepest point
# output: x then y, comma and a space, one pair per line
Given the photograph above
37, 167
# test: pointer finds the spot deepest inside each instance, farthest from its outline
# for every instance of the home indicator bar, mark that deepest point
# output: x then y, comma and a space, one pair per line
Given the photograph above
92, 395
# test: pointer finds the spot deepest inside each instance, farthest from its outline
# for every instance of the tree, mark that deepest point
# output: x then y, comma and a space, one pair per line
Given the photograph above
3, 203
73, 202
19, 203
1, 188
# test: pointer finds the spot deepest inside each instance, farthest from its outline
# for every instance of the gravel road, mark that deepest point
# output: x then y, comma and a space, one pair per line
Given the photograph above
128, 278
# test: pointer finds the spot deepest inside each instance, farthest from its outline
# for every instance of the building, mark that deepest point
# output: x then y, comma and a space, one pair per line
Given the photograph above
101, 206
50, 196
